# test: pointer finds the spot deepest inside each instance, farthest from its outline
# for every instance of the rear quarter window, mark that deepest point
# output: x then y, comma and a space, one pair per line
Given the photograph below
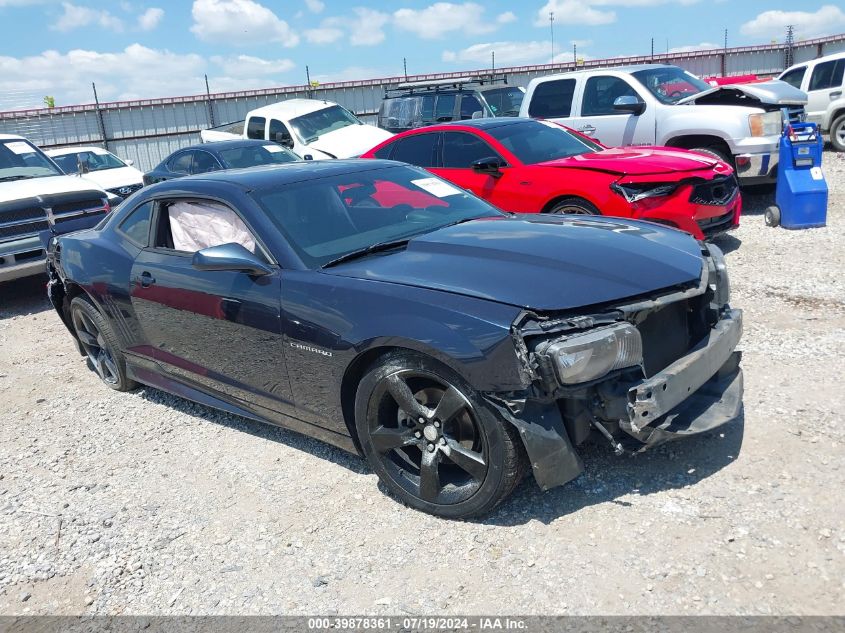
136, 226
552, 99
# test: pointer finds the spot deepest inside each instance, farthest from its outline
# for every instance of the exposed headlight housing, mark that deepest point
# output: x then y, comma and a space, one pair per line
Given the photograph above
768, 124
633, 192
721, 283
595, 353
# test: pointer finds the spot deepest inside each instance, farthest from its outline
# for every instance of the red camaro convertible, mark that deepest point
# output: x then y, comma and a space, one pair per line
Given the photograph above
530, 166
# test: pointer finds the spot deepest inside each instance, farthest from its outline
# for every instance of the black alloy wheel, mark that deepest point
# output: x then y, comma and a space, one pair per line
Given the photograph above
431, 444
97, 342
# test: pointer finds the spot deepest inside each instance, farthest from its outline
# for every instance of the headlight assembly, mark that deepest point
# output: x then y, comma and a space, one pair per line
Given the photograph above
768, 124
584, 357
633, 192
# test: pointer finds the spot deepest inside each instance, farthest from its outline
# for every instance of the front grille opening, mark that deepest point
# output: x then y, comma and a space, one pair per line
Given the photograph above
77, 207
716, 192
8, 233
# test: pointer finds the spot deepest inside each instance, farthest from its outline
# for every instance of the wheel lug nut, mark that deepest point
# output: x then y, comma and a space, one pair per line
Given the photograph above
431, 448
442, 440
418, 435
437, 424
421, 420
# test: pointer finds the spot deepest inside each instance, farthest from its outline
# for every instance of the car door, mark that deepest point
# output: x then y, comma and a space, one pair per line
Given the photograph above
598, 119
180, 164
279, 133
825, 85
508, 190
218, 331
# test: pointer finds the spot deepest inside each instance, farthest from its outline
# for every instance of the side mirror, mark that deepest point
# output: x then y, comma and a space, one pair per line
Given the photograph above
478, 114
82, 166
283, 139
629, 103
129, 162
492, 166
232, 257
308, 157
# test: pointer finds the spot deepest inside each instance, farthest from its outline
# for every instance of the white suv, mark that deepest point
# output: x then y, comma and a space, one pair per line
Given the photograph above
822, 80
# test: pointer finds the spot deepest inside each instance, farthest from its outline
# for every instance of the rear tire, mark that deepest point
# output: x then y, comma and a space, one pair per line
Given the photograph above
574, 206
100, 345
451, 455
837, 133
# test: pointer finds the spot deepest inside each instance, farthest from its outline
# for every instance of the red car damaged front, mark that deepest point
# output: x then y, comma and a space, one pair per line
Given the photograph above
676, 187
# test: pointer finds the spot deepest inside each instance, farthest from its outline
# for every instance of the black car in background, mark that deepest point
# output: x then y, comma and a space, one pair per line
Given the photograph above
421, 103
384, 310
209, 157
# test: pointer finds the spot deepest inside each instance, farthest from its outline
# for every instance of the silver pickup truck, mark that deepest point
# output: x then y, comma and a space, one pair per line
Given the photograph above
655, 104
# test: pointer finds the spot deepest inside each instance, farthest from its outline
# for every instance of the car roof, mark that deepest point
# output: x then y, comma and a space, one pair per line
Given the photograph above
215, 146
61, 151
284, 174
632, 68
293, 107
11, 137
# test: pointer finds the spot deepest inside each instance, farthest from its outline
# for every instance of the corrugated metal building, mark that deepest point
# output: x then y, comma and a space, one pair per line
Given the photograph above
147, 131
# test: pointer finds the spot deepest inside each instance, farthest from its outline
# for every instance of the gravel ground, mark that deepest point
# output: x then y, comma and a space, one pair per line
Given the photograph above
143, 503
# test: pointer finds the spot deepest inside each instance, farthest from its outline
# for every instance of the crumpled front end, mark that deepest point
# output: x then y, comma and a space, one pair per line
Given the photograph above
638, 374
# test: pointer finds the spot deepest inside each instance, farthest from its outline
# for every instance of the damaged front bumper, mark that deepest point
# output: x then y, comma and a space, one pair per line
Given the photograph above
697, 393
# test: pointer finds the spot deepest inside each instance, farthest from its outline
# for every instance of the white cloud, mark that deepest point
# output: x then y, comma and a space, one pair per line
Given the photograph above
126, 74
828, 19
703, 46
150, 18
239, 22
585, 11
506, 18
75, 17
315, 6
323, 35
441, 18
366, 28
506, 53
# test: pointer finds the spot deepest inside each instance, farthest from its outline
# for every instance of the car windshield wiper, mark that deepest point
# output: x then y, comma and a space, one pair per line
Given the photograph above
363, 252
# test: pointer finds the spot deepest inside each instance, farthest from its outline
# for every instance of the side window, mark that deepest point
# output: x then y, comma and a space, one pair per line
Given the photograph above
444, 109
427, 108
136, 226
552, 99
461, 150
827, 75
189, 226
600, 93
469, 106
204, 162
181, 163
417, 150
385, 151
795, 76
255, 127
280, 133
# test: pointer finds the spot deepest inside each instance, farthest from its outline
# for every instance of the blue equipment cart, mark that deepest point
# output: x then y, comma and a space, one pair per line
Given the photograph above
801, 194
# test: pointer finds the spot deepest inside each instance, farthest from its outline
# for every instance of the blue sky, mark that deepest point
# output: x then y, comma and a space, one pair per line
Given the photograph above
150, 48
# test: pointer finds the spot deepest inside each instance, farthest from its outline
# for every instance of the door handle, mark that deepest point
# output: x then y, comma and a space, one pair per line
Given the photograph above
835, 95
146, 279
587, 129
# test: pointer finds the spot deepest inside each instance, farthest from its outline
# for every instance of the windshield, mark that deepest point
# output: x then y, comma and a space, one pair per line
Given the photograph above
670, 84
97, 161
256, 155
312, 126
326, 218
21, 159
539, 141
504, 101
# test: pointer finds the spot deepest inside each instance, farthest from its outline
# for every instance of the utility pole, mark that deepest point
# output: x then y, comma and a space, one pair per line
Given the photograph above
100, 120
308, 79
493, 60
405, 66
652, 49
574, 55
790, 45
208, 103
552, 29
725, 55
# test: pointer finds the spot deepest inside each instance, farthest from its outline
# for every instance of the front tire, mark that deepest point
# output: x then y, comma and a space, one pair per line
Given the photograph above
714, 152
574, 206
100, 345
432, 440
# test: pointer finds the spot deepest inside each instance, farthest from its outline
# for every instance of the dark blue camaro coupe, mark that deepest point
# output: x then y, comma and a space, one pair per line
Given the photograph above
383, 310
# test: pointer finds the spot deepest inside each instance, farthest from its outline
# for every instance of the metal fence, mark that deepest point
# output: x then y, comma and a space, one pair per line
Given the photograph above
146, 131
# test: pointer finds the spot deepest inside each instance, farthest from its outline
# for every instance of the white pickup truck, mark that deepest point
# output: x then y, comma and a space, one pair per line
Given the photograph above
312, 128
655, 104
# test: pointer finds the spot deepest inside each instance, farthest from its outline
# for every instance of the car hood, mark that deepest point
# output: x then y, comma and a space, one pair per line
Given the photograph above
118, 177
539, 262
636, 161
350, 141
48, 185
774, 92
